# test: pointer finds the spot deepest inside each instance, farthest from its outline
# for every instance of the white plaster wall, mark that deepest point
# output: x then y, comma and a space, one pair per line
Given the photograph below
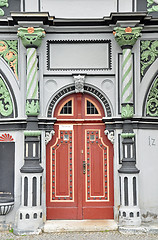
147, 162
56, 80
79, 8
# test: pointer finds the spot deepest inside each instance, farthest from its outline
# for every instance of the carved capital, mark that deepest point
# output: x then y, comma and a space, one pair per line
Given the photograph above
127, 36
79, 83
32, 107
48, 136
127, 111
31, 37
110, 135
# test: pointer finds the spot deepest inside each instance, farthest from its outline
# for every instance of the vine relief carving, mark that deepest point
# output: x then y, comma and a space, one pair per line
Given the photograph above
152, 6
9, 52
3, 3
149, 53
152, 101
6, 107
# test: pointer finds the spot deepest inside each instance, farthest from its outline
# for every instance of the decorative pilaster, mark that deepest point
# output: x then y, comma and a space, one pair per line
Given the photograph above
29, 217
126, 38
32, 39
129, 212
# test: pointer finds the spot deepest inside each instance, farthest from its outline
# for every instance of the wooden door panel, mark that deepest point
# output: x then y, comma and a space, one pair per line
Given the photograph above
63, 168
97, 174
62, 213
98, 180
98, 213
61, 203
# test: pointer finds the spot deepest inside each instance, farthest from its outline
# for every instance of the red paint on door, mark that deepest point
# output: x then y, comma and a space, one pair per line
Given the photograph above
79, 162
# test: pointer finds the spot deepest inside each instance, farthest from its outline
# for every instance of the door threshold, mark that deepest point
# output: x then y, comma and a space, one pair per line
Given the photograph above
79, 225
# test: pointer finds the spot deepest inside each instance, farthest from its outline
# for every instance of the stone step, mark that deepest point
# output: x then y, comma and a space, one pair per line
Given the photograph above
79, 225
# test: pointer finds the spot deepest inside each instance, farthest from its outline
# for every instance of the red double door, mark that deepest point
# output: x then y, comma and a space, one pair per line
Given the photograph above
79, 162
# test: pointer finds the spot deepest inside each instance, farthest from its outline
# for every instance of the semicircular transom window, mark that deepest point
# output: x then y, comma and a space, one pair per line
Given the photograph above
67, 108
91, 108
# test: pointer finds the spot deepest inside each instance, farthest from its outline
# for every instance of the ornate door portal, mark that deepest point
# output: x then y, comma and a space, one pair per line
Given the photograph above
79, 162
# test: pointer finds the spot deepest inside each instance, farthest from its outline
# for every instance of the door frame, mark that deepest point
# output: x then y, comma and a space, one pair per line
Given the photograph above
65, 121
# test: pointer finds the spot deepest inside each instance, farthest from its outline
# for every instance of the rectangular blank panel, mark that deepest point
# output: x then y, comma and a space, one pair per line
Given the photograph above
7, 151
84, 55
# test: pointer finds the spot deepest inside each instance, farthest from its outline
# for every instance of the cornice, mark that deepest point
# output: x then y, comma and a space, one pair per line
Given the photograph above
44, 20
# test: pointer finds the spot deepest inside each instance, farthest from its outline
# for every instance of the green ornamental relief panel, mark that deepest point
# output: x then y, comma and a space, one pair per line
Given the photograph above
3, 3
32, 107
6, 106
9, 52
152, 101
152, 6
148, 54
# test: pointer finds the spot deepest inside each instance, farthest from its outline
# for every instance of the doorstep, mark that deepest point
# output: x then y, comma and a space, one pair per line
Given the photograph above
79, 225
151, 227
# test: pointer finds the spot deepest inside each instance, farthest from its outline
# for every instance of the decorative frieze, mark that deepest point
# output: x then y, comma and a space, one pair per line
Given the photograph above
148, 54
152, 101
9, 52
6, 106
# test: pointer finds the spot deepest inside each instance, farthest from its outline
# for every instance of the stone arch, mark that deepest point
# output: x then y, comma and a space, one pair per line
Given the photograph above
88, 89
150, 105
9, 91
145, 85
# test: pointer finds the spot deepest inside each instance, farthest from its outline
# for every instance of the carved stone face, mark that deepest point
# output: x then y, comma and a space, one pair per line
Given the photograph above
79, 86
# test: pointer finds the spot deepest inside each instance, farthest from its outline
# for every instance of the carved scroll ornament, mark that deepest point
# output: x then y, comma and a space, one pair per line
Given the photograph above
6, 107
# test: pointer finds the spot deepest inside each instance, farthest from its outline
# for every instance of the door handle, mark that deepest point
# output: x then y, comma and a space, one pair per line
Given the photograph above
84, 167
